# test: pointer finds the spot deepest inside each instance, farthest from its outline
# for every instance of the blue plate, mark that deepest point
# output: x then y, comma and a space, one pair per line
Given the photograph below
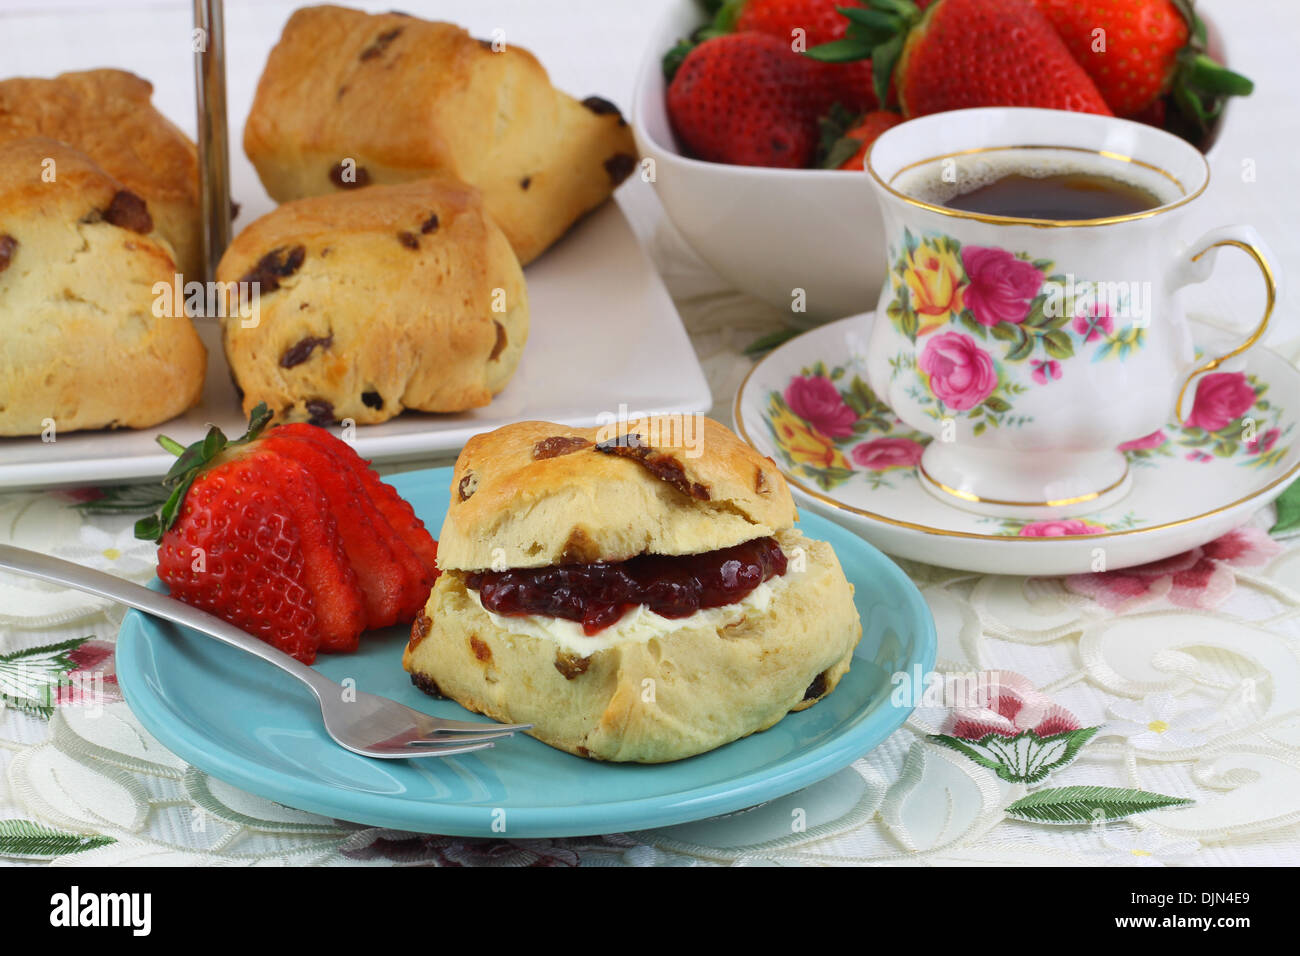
247, 723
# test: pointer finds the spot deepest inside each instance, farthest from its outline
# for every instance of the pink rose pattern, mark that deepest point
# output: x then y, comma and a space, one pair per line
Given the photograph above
1221, 398
882, 454
1201, 578
1060, 528
816, 400
1001, 287
1146, 442
961, 373
1009, 704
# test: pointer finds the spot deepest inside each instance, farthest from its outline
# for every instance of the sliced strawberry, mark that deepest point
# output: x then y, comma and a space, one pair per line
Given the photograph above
396, 510
254, 543
394, 579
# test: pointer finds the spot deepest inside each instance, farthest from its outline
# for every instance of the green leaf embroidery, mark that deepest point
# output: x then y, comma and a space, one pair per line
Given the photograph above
1288, 511
29, 679
1087, 804
1024, 758
23, 838
126, 499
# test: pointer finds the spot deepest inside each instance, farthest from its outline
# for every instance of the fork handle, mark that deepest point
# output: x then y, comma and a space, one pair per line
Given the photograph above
57, 571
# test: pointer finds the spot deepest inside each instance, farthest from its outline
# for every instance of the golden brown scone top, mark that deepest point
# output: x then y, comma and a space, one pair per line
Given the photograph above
76, 185
535, 494
404, 97
393, 210
108, 115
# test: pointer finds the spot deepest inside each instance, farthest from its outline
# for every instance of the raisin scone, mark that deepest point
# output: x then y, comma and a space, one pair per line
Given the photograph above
637, 593
349, 99
108, 115
81, 343
372, 302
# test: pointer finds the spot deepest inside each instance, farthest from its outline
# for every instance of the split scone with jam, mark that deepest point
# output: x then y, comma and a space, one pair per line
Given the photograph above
637, 593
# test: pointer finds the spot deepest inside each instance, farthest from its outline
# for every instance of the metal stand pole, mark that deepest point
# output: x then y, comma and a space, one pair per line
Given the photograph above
214, 139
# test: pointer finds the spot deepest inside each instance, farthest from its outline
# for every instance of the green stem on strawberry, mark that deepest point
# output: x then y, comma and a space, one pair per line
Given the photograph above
1200, 84
190, 463
724, 13
875, 33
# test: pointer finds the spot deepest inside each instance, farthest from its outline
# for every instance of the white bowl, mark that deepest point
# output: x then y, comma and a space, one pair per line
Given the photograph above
770, 232
773, 233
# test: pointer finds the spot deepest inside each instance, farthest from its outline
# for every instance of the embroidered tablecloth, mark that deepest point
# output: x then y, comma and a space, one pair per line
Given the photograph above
1141, 717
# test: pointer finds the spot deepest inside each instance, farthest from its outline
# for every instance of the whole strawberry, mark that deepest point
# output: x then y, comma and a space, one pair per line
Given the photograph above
846, 140
1137, 51
818, 21
965, 53
746, 99
808, 23
287, 534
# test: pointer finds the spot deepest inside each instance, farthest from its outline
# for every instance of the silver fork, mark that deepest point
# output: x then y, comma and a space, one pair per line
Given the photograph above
363, 723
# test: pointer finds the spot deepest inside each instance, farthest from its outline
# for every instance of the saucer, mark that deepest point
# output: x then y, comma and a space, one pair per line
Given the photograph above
848, 457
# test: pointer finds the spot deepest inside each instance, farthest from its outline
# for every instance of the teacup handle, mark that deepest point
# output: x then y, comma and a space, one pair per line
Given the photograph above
1197, 267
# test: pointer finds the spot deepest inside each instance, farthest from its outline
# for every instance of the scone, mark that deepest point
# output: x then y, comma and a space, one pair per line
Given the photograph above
372, 302
82, 341
107, 114
349, 99
637, 593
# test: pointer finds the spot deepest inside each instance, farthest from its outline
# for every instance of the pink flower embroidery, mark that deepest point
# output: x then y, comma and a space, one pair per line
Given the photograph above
1006, 703
1154, 440
1094, 322
816, 400
1265, 442
1199, 456
1001, 287
1045, 371
1060, 528
1200, 578
961, 373
93, 675
885, 453
396, 846
1221, 398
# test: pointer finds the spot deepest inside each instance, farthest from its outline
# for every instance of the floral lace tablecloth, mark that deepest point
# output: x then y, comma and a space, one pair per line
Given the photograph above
1140, 717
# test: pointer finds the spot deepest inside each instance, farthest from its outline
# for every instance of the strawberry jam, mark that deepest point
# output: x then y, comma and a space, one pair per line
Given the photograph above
599, 594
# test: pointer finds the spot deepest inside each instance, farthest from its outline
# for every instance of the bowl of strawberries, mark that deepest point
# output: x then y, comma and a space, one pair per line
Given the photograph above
758, 115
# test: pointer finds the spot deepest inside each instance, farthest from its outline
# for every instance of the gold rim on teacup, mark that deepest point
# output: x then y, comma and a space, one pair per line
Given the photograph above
1040, 223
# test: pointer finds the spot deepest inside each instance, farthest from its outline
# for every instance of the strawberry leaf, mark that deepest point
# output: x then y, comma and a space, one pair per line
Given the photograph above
193, 461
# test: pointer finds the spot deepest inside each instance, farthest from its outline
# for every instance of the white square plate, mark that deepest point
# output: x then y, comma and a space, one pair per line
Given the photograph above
604, 336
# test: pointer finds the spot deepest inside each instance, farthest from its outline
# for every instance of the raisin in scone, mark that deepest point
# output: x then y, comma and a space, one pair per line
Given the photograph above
375, 301
349, 99
81, 343
637, 593
108, 115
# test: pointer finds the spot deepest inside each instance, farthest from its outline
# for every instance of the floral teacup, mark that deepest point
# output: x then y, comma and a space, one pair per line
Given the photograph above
1032, 348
